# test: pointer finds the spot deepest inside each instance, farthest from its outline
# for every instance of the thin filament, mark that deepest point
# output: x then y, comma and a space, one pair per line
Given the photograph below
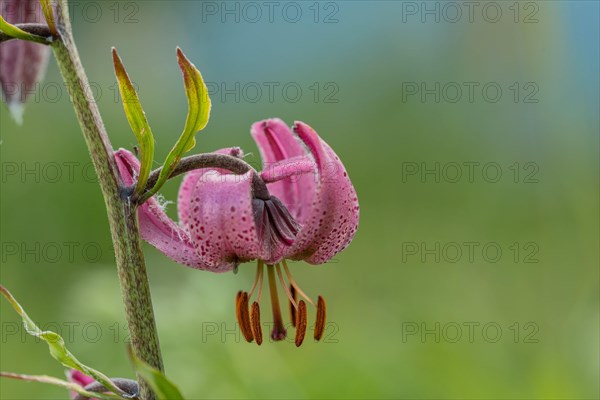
294, 284
259, 269
285, 287
260, 284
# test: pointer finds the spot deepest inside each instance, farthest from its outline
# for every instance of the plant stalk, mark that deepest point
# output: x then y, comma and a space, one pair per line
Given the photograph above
122, 215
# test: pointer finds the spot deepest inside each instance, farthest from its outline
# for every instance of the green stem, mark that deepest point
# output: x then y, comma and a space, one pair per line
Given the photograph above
122, 215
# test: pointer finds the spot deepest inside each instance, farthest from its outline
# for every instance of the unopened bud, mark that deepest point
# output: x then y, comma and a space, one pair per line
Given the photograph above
22, 63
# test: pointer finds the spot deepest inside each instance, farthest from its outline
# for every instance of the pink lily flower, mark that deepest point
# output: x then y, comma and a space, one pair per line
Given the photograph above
301, 206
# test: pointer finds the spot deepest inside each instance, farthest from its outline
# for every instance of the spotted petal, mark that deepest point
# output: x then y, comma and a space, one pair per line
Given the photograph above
334, 213
156, 227
189, 183
228, 222
216, 209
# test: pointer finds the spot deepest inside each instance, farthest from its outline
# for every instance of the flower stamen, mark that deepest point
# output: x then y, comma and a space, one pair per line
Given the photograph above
287, 290
260, 286
243, 317
249, 317
300, 323
258, 279
255, 319
292, 308
320, 323
294, 284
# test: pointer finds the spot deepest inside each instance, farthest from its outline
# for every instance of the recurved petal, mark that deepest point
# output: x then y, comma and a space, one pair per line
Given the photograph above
288, 168
276, 144
220, 219
334, 214
156, 227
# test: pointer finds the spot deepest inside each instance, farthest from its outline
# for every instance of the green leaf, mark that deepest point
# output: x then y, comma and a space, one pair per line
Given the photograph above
137, 120
17, 33
59, 382
160, 384
49, 15
199, 106
57, 347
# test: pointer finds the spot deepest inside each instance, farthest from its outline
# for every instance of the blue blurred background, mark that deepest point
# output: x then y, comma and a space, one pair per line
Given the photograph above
470, 132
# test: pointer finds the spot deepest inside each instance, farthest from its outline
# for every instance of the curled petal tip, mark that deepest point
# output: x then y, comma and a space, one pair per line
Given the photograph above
16, 110
334, 214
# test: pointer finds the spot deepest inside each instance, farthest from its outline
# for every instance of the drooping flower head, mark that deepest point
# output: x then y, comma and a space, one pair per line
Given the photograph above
301, 206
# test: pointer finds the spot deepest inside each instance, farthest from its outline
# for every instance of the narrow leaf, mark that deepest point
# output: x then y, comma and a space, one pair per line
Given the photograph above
49, 15
137, 120
199, 106
160, 384
17, 33
59, 382
57, 347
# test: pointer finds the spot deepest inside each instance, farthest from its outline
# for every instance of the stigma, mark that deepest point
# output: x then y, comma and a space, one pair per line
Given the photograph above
248, 315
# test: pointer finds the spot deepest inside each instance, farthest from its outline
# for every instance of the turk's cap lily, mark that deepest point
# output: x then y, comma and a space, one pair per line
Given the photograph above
301, 206
232, 219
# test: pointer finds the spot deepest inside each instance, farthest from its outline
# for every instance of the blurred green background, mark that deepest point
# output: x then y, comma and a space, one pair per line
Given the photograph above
410, 316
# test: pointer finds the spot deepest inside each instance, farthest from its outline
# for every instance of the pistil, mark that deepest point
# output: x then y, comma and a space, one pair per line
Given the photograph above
279, 332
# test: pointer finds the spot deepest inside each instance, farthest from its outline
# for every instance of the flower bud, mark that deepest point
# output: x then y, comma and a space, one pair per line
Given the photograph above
79, 378
22, 63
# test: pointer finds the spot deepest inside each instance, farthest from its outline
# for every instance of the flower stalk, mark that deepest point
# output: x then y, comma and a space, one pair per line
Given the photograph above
122, 214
